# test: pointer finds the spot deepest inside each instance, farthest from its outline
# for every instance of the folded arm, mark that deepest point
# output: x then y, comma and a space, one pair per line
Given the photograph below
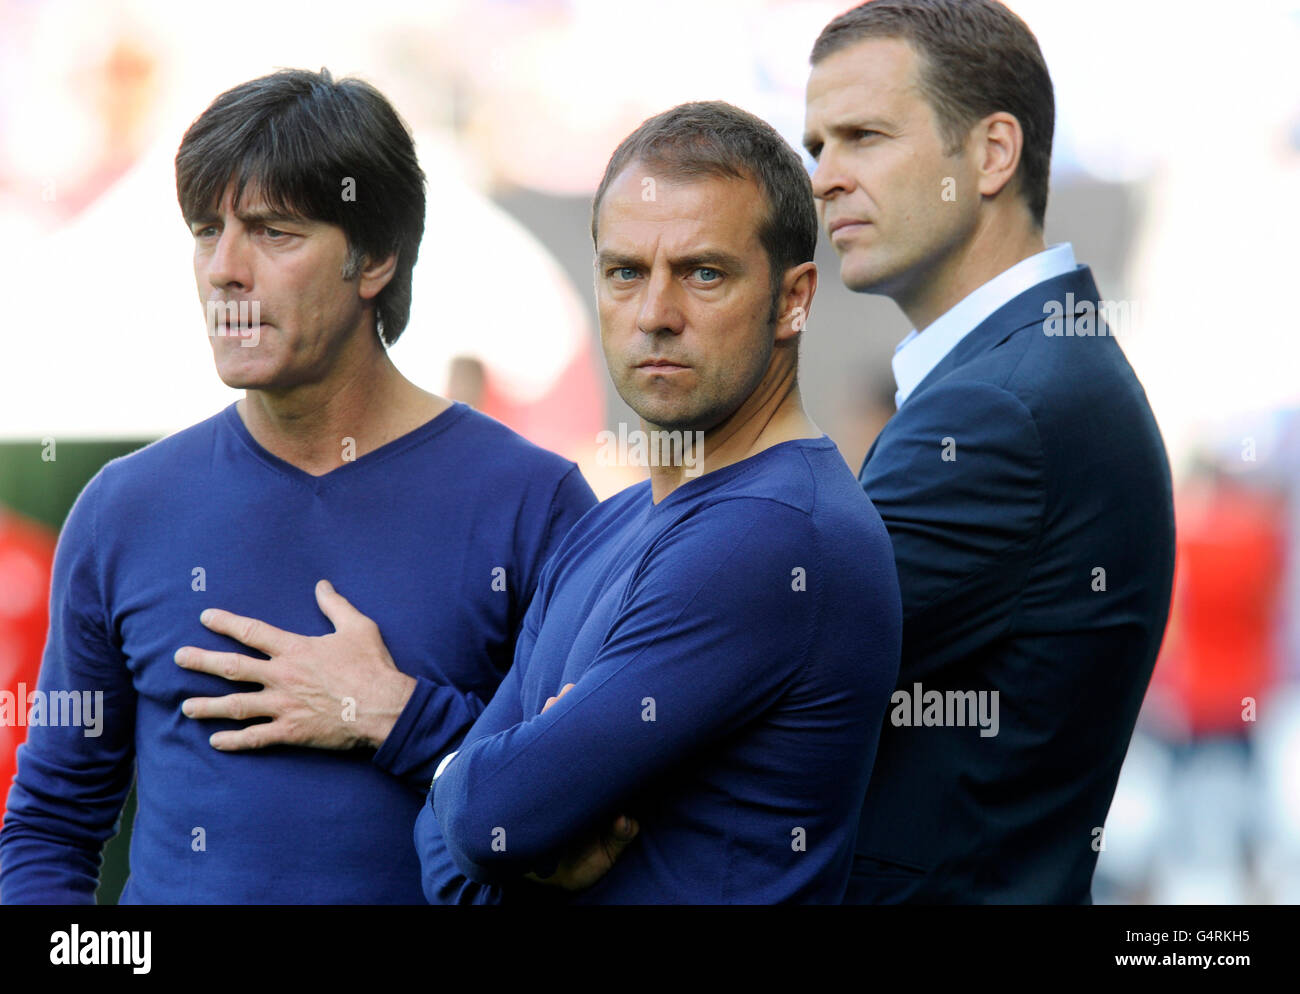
710, 633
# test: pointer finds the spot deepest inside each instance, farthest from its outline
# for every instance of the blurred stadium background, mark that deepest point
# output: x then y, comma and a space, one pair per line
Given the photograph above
1176, 176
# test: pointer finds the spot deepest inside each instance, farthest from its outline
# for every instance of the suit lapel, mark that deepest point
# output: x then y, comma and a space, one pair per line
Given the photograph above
1028, 308
1019, 312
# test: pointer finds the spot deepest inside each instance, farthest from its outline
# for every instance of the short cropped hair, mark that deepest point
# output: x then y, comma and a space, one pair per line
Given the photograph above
323, 149
712, 138
976, 57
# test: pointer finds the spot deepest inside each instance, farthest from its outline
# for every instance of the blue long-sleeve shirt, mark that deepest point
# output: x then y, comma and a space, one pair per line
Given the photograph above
439, 536
732, 651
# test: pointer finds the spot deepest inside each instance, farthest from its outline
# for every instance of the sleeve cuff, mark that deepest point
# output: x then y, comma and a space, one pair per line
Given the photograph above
406, 732
443, 765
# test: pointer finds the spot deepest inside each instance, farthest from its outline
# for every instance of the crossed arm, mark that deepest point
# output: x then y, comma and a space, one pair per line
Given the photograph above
678, 671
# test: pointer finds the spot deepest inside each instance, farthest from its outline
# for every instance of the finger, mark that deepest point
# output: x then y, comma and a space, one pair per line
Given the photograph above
336, 607
619, 838
251, 632
236, 707
230, 665
551, 700
260, 736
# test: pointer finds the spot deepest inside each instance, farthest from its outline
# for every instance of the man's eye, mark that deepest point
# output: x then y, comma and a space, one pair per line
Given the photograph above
274, 232
205, 231
708, 275
623, 273
814, 152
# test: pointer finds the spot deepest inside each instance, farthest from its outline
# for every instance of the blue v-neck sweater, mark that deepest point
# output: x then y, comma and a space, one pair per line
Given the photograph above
732, 650
439, 536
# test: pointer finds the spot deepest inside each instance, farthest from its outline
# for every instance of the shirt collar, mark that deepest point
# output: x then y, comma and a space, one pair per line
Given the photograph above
917, 354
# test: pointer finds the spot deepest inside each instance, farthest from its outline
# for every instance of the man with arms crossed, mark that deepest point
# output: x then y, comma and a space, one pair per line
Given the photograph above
433, 518
1023, 480
709, 655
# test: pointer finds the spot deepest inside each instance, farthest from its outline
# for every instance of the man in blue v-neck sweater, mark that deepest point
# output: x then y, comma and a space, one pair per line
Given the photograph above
434, 521
709, 656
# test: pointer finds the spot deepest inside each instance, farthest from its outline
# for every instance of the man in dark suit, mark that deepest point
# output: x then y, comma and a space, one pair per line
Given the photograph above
1023, 479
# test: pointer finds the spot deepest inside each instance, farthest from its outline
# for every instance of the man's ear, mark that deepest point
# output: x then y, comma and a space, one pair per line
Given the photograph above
999, 141
374, 276
797, 289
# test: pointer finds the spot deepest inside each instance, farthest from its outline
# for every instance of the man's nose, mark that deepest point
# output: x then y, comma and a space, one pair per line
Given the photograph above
830, 176
229, 264
660, 306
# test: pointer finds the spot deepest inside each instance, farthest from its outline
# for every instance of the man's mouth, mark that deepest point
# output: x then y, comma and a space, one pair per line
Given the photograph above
661, 366
845, 224
237, 329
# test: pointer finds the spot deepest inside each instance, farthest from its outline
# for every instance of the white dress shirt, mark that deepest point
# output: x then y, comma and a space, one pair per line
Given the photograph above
919, 353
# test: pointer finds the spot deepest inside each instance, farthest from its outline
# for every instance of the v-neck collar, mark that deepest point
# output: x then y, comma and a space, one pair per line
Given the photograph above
700, 485
434, 426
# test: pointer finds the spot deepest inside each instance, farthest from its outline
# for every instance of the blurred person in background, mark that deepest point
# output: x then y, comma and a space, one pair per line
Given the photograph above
26, 558
1215, 679
864, 411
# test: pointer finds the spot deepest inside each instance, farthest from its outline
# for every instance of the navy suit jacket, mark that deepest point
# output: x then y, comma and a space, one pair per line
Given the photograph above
1026, 489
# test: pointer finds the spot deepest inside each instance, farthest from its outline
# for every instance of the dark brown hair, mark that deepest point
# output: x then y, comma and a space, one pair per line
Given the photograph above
976, 57
299, 137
